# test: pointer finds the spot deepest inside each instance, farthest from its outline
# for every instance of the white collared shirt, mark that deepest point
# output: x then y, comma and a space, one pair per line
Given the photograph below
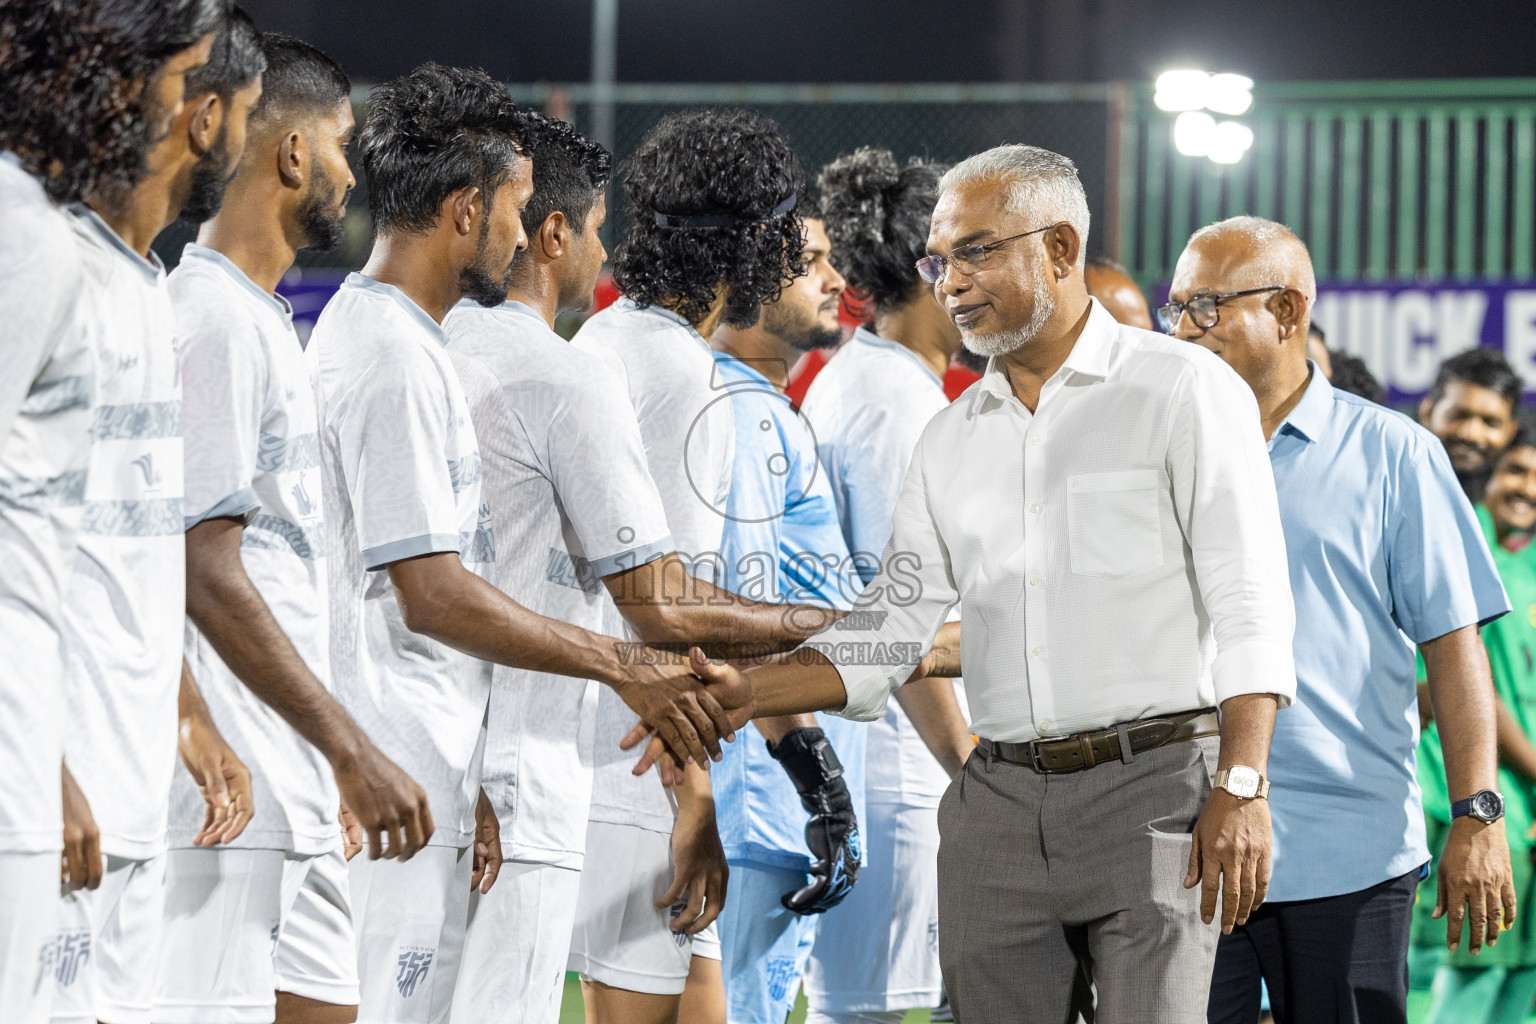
1117, 553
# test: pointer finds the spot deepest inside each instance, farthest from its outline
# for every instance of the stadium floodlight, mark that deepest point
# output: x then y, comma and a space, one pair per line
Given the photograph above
1229, 94
1229, 140
1193, 131
1181, 90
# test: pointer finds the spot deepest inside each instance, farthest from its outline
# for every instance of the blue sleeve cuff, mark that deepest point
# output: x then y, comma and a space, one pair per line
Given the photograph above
241, 505
382, 555
633, 558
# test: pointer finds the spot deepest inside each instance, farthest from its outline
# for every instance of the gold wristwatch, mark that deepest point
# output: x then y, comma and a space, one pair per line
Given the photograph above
1242, 782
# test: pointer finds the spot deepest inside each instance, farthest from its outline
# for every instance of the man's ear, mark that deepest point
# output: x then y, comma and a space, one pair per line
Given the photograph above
554, 236
1062, 245
206, 120
462, 207
293, 160
1290, 309
1425, 408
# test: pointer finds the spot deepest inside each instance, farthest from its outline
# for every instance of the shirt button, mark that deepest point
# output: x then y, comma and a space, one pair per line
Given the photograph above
1036, 651
1034, 509
1045, 726
1034, 581
1036, 440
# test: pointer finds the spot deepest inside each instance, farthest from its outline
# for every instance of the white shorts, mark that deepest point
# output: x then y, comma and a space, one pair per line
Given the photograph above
620, 939
879, 950
107, 945
231, 922
410, 933
29, 907
317, 949
518, 937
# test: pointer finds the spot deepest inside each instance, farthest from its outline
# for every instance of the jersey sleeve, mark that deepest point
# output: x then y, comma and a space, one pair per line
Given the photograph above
41, 285
391, 431
612, 502
224, 378
871, 472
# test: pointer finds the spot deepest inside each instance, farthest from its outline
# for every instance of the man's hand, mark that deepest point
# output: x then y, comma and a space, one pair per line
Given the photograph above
686, 718
487, 846
832, 833
699, 871
222, 777
1230, 855
352, 839
1475, 876
81, 865
729, 690
389, 806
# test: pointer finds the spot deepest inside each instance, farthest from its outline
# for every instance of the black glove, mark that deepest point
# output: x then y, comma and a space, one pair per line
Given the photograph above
832, 833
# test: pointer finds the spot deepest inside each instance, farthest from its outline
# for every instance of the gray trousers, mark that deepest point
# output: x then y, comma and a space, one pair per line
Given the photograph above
1048, 883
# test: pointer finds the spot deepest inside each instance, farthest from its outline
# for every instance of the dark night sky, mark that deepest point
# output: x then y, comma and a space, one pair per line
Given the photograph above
924, 40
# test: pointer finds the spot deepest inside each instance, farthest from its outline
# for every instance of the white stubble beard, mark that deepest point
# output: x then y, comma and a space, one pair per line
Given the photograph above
1004, 342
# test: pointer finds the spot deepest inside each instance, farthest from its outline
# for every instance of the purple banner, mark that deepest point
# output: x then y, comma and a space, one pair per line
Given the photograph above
307, 291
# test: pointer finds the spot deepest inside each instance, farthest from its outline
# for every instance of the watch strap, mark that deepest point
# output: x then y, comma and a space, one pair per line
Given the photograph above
1220, 782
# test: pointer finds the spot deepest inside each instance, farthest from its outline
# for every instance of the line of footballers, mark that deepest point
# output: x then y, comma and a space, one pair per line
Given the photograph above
409, 588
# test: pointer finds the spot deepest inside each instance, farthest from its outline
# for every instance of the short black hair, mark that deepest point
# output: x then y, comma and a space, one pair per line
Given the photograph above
429, 134
73, 77
1352, 375
877, 214
234, 61
705, 189
1105, 263
299, 79
1525, 432
1314, 331
1484, 367
569, 171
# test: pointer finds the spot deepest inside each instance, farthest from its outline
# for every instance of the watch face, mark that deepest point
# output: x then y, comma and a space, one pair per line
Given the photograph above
1242, 782
1487, 805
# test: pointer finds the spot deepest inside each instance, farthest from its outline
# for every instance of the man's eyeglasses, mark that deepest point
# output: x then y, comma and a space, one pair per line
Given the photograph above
1202, 308
967, 259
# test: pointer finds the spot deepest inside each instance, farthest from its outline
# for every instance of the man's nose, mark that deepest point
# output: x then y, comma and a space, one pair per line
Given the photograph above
1185, 329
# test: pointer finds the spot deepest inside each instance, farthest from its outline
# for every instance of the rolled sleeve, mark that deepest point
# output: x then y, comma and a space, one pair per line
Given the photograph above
892, 625
1224, 495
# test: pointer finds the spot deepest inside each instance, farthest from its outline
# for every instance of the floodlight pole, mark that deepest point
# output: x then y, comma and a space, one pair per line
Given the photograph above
605, 60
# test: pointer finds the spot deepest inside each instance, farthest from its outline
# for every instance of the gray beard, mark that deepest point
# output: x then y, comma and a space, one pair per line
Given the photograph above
1004, 342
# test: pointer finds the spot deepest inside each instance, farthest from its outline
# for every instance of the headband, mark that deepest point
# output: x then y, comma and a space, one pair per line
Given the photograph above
722, 220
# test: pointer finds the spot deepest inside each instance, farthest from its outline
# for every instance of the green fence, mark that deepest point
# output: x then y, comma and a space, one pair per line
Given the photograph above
1431, 180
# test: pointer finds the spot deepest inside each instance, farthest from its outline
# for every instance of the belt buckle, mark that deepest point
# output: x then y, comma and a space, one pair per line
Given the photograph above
1034, 758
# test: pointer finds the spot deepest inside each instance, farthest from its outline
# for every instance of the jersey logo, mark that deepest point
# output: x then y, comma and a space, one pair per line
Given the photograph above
64, 956
413, 966
781, 974
146, 465
302, 499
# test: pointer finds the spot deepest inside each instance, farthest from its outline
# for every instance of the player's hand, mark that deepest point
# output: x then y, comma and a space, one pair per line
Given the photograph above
1475, 882
731, 692
487, 846
80, 866
388, 804
1230, 857
222, 777
699, 872
674, 703
832, 833
352, 840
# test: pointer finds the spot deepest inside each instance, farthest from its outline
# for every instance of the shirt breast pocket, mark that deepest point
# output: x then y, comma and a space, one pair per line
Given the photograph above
1114, 523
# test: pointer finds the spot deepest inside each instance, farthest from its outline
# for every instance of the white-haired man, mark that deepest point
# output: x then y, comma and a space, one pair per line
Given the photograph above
1394, 550
1101, 506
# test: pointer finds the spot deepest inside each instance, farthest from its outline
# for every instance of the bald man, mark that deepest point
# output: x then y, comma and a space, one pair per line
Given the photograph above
1394, 549
1111, 284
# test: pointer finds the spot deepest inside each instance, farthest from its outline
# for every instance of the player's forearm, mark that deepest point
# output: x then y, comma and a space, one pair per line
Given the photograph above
795, 685
230, 612
935, 713
443, 600
1515, 748
1461, 689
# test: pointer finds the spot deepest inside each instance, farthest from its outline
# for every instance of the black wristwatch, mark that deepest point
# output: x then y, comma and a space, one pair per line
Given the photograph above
1485, 805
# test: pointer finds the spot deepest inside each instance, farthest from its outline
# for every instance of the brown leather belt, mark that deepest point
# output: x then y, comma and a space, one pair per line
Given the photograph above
1083, 750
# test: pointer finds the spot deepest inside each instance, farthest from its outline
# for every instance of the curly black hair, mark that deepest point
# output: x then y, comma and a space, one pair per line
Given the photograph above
569, 171
431, 133
877, 214
732, 166
72, 75
1352, 375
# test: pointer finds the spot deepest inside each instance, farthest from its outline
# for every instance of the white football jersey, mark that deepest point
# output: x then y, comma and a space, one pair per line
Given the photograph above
566, 477
45, 416
252, 452
688, 429
402, 479
869, 406
126, 602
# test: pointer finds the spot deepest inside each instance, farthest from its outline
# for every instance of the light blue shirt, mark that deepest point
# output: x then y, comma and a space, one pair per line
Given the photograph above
782, 543
1385, 552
